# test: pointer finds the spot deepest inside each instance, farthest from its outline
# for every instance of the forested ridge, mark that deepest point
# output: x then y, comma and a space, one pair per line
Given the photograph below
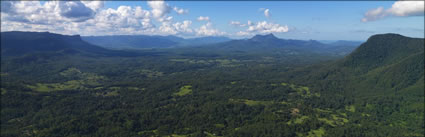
225, 89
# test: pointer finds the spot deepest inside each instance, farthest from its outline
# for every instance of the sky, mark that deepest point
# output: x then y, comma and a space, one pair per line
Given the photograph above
305, 20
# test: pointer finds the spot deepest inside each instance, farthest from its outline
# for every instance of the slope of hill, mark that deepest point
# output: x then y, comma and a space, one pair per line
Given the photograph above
383, 78
384, 49
389, 60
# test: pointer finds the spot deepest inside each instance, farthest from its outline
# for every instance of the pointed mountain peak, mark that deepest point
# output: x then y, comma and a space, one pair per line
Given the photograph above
264, 37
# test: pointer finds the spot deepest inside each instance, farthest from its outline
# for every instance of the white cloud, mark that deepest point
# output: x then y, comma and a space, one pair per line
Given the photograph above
237, 24
202, 18
159, 8
74, 10
167, 28
408, 8
94, 5
183, 27
244, 33
399, 8
51, 12
261, 27
208, 30
266, 12
177, 28
249, 23
374, 14
180, 11
265, 27
91, 18
124, 17
75, 17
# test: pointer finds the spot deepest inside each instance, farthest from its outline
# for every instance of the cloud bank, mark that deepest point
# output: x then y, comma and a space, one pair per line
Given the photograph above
91, 18
398, 9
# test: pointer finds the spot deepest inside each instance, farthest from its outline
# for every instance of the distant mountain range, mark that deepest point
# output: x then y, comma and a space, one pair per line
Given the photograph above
270, 43
17, 43
145, 41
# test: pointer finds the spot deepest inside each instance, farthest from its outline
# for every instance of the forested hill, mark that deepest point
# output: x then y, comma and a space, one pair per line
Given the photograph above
384, 61
384, 49
16, 43
389, 61
383, 77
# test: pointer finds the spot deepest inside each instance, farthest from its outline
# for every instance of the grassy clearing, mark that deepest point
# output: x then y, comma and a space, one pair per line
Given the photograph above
81, 81
365, 115
350, 108
69, 85
327, 121
334, 120
108, 94
370, 106
3, 74
86, 78
301, 90
252, 102
322, 110
71, 72
192, 61
316, 133
185, 90
148, 133
298, 120
220, 125
255, 102
179, 60
149, 73
135, 88
3, 91
219, 62
176, 135
111, 91
210, 134
227, 62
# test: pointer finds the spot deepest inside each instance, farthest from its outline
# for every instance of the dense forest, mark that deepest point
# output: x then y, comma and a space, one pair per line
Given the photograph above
57, 85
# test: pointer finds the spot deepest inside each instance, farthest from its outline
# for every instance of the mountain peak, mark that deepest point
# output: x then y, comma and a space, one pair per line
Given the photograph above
388, 36
385, 49
259, 37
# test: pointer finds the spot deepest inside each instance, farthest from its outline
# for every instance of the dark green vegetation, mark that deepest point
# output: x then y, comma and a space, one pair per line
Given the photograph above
227, 89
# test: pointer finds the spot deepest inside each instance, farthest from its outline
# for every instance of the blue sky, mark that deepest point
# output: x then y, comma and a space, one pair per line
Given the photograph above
321, 20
